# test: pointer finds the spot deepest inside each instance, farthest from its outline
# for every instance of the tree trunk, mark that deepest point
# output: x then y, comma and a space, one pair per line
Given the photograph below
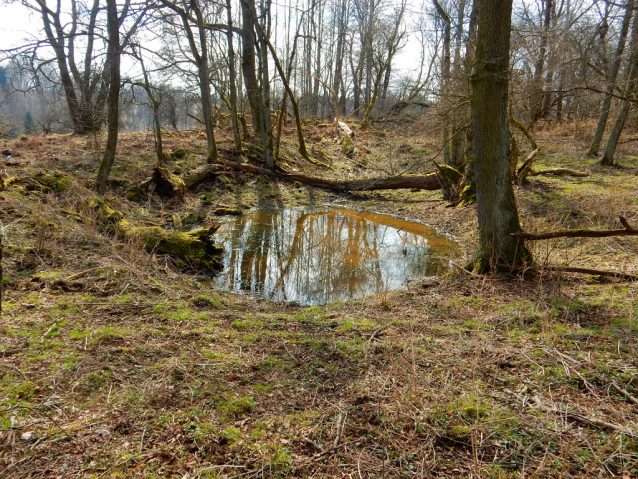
339, 54
496, 205
258, 93
157, 127
204, 85
607, 158
539, 96
445, 74
113, 54
232, 79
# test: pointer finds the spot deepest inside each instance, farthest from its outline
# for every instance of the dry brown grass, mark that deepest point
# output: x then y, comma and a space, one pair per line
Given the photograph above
116, 364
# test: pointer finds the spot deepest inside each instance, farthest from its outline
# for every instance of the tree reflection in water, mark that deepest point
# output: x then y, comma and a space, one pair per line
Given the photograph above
321, 255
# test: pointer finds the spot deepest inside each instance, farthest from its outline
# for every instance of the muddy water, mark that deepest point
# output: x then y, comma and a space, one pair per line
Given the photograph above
326, 254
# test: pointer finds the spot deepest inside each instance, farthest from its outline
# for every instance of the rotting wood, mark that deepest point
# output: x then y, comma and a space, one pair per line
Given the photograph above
170, 185
422, 182
580, 233
526, 167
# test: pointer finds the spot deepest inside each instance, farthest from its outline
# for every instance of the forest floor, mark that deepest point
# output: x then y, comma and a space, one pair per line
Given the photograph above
114, 363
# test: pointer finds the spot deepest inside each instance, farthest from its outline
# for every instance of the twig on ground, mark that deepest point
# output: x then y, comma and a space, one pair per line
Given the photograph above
377, 332
597, 272
580, 233
341, 420
332, 450
579, 418
625, 393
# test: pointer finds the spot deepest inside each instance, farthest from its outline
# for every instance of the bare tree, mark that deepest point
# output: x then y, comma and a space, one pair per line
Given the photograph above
81, 72
191, 16
115, 20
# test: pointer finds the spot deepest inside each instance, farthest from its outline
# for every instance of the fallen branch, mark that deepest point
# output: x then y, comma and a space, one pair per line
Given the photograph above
559, 172
597, 272
422, 182
377, 333
602, 379
580, 419
334, 449
525, 132
581, 233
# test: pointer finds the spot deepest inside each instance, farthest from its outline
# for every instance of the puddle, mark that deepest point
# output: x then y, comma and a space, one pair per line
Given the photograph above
325, 254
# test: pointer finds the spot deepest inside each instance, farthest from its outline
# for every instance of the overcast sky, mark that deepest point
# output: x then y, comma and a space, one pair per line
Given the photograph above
16, 24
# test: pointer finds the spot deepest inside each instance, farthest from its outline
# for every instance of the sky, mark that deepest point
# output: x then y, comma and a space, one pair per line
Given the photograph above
16, 24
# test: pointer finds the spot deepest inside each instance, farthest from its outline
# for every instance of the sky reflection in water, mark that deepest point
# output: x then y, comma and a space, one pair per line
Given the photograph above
325, 254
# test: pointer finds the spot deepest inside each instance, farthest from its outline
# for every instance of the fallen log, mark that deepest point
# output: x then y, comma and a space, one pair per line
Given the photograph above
580, 233
44, 181
193, 249
422, 182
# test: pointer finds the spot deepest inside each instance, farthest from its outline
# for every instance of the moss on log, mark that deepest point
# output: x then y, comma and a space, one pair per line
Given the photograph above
193, 249
47, 182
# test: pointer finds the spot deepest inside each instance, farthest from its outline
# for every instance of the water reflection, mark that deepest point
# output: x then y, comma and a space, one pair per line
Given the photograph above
321, 255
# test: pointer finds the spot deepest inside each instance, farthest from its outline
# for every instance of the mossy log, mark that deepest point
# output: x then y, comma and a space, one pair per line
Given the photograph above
422, 182
47, 182
193, 249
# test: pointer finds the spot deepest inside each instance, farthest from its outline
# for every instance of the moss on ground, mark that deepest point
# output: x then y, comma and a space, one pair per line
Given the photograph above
121, 365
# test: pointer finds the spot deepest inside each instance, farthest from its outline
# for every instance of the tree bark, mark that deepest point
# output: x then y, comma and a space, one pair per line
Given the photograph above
445, 74
259, 104
496, 205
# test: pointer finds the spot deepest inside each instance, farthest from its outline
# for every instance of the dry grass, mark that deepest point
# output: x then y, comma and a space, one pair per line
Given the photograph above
115, 364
